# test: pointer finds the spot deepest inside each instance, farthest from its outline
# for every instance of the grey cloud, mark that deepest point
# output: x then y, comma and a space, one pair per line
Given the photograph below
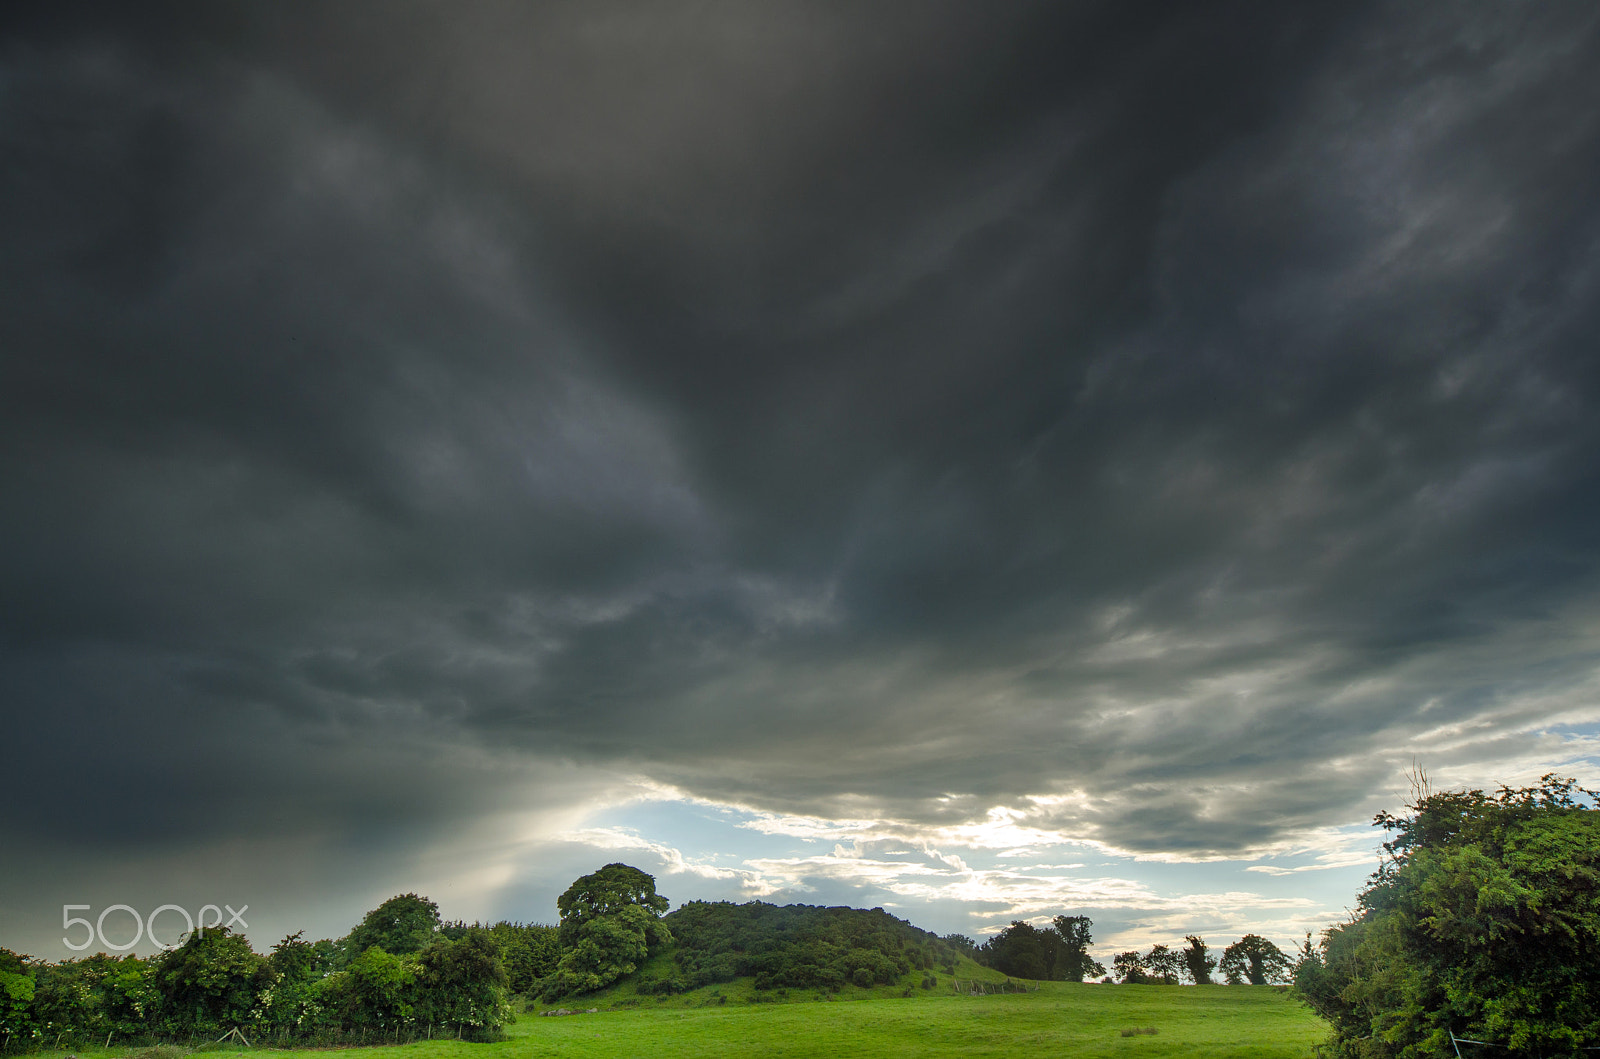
817, 409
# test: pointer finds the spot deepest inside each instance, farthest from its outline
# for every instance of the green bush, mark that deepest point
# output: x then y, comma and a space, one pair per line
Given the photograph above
1483, 923
463, 985
208, 984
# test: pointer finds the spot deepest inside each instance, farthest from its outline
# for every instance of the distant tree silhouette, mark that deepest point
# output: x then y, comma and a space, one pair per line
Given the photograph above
1257, 959
1163, 964
1058, 953
1073, 962
1197, 960
1130, 968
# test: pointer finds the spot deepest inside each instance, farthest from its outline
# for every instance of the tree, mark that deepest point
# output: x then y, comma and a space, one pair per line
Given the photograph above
609, 922
1073, 962
17, 982
463, 986
1482, 922
376, 989
1130, 968
1057, 953
606, 893
1022, 950
1163, 964
1197, 960
404, 924
209, 983
1255, 958
294, 965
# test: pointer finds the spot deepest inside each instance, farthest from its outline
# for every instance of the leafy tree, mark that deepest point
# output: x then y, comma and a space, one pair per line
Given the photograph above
17, 985
115, 994
608, 947
609, 922
1130, 968
1197, 961
1163, 964
376, 989
403, 924
606, 893
1022, 950
1073, 962
463, 986
530, 951
1484, 921
209, 983
1255, 958
294, 966
1055, 953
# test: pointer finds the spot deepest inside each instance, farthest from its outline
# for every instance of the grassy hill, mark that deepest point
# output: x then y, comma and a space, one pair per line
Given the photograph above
632, 993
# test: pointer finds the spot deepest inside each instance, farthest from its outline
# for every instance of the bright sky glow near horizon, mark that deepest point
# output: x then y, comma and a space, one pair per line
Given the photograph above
982, 462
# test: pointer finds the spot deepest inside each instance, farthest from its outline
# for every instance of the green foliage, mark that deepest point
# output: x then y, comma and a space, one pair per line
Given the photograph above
1483, 922
17, 989
295, 968
1058, 953
1130, 968
607, 948
529, 951
464, 986
610, 920
209, 983
799, 946
606, 892
1164, 965
96, 995
961, 944
376, 989
1257, 960
403, 924
214, 982
1198, 963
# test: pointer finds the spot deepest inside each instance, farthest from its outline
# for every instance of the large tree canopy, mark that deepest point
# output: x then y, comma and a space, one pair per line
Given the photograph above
609, 922
402, 924
1484, 922
1059, 952
1254, 959
606, 893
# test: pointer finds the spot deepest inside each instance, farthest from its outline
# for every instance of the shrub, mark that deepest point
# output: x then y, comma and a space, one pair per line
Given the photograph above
1484, 923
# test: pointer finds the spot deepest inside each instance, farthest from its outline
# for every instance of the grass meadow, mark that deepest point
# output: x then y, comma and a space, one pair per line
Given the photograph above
1138, 1022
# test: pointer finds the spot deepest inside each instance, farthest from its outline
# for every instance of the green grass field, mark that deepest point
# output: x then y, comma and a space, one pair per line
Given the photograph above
1058, 1019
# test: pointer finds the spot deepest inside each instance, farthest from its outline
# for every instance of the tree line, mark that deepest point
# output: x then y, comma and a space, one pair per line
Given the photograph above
1060, 953
400, 974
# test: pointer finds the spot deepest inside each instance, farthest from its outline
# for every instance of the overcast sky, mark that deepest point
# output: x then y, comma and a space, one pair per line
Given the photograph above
981, 460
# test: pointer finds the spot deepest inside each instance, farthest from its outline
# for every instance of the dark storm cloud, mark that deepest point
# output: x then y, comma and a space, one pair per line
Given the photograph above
818, 408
